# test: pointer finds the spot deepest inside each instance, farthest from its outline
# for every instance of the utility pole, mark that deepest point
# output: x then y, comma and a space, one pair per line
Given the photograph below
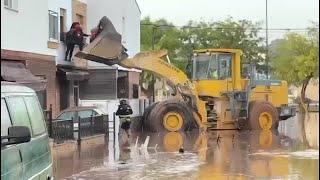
153, 78
267, 43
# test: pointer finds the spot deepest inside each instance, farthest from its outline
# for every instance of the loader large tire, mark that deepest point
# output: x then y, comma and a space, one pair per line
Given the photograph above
145, 116
262, 115
170, 115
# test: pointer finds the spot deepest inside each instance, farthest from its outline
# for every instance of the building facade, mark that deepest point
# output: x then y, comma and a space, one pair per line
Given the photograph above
29, 43
32, 42
86, 80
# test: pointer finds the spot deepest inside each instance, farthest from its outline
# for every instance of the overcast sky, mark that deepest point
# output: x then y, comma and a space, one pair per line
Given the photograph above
281, 13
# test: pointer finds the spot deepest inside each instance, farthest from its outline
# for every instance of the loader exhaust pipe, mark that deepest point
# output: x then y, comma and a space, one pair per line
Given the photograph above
106, 46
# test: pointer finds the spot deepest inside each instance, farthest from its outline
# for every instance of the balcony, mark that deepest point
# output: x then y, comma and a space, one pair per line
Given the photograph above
76, 62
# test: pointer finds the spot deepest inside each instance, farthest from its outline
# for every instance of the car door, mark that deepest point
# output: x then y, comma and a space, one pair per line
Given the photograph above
36, 155
11, 160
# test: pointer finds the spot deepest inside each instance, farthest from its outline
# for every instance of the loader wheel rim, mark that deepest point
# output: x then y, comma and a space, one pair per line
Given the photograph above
265, 121
265, 138
172, 141
172, 121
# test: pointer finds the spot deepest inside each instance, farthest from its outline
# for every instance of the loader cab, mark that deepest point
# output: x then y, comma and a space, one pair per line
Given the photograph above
211, 66
216, 68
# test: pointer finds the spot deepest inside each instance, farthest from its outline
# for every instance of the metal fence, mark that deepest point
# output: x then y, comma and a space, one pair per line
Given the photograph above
91, 126
75, 129
62, 130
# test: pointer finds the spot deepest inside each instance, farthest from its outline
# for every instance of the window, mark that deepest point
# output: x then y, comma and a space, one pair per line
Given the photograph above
53, 25
35, 114
67, 116
95, 113
215, 66
201, 67
85, 113
62, 24
11, 4
19, 112
225, 65
5, 118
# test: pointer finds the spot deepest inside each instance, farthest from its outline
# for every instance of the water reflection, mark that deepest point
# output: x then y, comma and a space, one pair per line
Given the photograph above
236, 155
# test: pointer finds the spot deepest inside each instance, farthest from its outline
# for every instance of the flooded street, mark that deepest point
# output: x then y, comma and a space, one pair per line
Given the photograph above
292, 153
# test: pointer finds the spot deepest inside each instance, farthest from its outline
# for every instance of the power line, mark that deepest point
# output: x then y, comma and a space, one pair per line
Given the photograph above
199, 27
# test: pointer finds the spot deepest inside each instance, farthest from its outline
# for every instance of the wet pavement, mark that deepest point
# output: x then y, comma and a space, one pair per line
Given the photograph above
291, 153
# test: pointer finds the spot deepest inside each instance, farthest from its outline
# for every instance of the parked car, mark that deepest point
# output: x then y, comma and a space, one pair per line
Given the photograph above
79, 111
25, 148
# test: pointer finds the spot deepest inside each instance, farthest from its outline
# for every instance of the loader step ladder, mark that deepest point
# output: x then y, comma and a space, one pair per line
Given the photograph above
239, 100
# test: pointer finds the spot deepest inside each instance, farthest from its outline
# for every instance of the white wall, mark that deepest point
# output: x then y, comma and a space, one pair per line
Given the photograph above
116, 11
26, 29
131, 32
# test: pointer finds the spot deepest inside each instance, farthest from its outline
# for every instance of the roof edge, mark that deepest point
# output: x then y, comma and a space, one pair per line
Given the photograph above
138, 6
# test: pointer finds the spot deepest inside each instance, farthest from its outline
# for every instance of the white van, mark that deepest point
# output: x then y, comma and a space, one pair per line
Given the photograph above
25, 149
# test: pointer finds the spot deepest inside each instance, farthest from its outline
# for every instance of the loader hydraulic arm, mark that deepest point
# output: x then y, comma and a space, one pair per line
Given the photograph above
107, 48
156, 63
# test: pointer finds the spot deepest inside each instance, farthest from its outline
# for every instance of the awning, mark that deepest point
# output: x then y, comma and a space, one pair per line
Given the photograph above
17, 72
74, 74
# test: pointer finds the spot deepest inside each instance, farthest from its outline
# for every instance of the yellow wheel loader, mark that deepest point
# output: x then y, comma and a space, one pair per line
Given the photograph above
215, 97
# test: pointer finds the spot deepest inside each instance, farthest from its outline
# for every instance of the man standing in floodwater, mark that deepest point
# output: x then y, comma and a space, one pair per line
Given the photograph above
124, 111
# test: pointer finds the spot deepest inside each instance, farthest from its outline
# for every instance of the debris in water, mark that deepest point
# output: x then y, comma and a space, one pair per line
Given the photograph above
181, 150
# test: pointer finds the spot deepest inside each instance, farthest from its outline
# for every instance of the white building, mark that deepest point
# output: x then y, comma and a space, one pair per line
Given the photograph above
31, 33
29, 40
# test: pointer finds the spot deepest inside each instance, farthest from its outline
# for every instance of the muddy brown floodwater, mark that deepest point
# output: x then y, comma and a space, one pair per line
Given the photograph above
291, 153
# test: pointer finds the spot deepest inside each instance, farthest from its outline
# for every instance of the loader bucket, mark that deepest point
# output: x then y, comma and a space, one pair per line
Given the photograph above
106, 48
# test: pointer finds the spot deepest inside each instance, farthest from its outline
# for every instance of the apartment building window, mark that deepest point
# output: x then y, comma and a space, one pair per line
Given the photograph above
53, 25
11, 4
62, 24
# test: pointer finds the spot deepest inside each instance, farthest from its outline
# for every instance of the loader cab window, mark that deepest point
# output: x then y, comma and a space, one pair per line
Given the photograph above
224, 65
211, 66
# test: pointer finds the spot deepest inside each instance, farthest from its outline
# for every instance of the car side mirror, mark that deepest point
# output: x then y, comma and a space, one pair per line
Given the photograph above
16, 135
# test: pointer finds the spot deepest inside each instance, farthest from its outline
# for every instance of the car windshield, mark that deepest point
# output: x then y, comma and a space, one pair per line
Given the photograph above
85, 113
67, 115
81, 113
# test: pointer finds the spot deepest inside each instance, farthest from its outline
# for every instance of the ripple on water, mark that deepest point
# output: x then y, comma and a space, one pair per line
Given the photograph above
159, 166
306, 154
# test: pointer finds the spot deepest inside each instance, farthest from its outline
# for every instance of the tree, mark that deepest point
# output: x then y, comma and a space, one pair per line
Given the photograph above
162, 35
229, 33
296, 59
180, 42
